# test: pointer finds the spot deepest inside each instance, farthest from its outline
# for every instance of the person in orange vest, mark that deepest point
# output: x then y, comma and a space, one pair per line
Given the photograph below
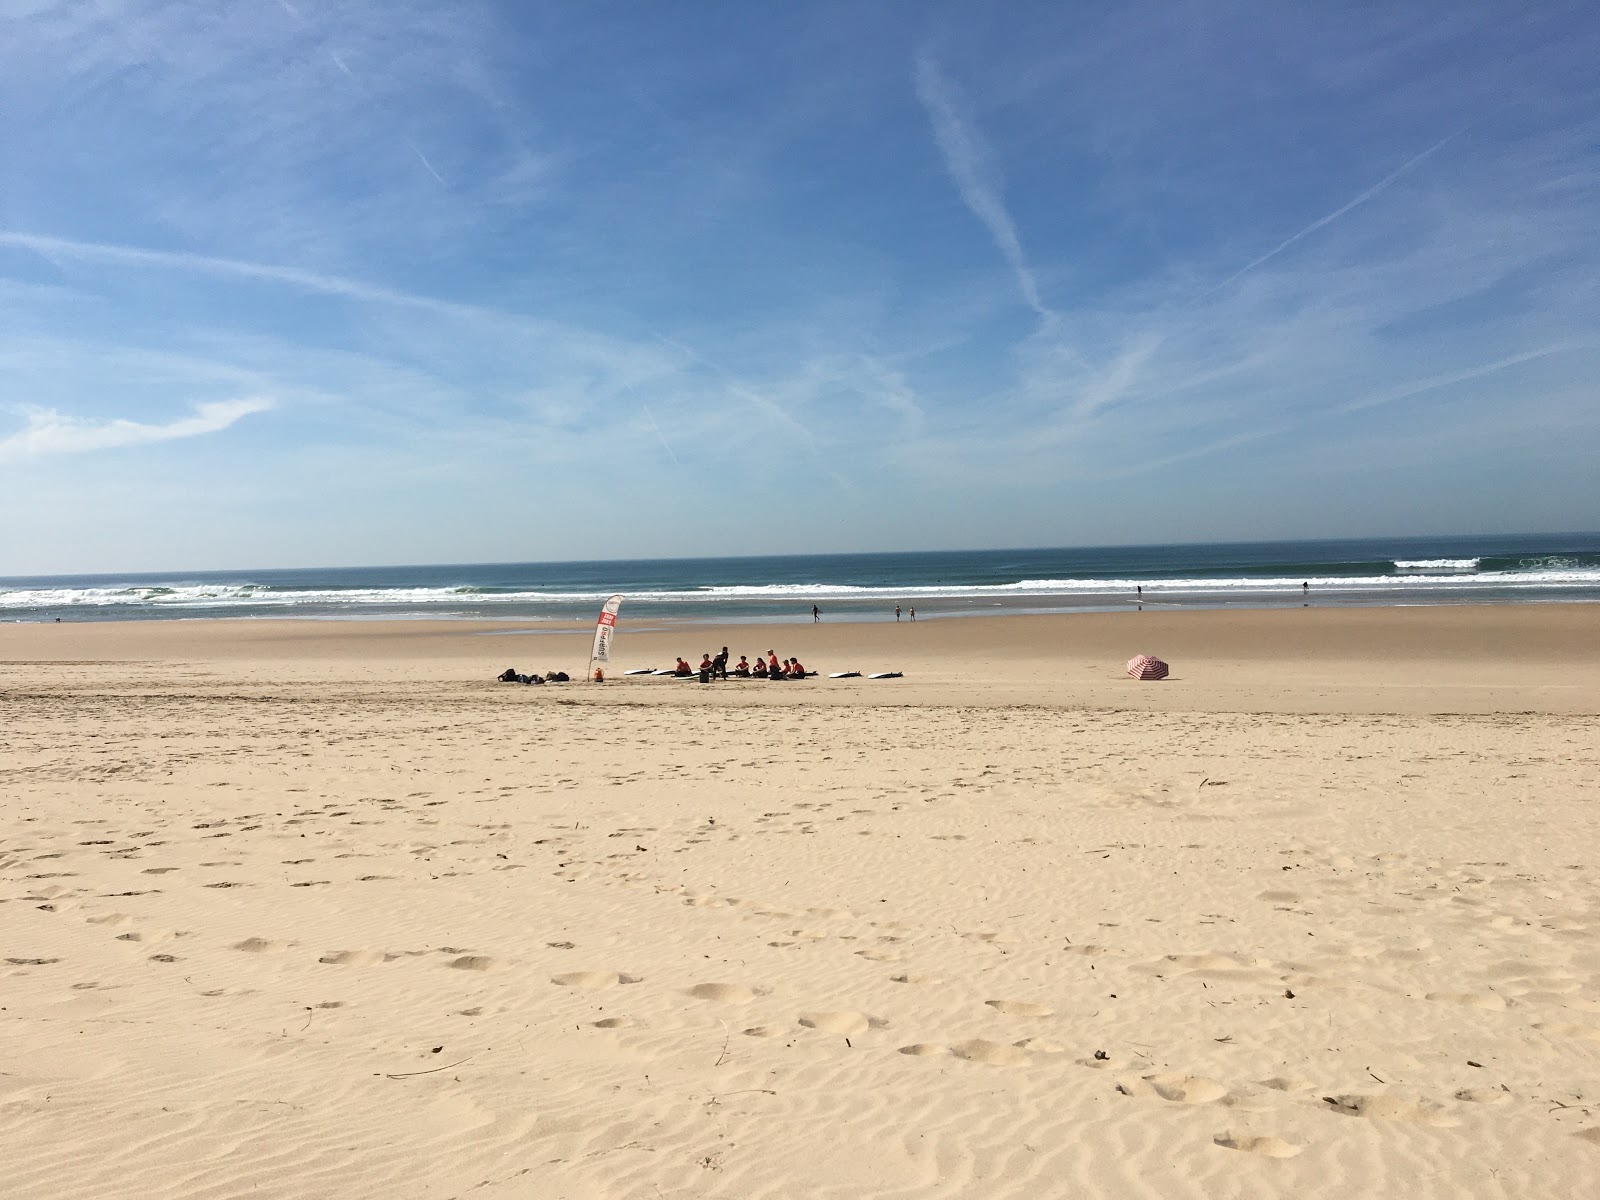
796, 671
772, 664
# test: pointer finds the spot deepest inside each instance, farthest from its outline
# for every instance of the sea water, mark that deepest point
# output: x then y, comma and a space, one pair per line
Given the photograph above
1489, 569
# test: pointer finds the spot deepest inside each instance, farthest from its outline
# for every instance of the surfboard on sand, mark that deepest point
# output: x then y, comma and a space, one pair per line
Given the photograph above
845, 675
641, 671
887, 675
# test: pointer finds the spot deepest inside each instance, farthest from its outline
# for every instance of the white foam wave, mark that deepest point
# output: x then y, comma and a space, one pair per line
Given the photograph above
1424, 575
1436, 564
256, 596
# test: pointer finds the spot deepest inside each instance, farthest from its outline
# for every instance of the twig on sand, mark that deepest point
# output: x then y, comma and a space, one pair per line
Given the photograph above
429, 1071
726, 1036
717, 1097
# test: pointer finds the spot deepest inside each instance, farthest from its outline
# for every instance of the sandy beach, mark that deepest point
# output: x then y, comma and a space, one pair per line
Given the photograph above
304, 909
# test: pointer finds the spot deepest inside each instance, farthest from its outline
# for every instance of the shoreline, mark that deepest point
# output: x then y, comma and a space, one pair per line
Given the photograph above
853, 613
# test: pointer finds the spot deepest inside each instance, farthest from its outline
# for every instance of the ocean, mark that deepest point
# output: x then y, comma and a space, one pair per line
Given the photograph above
1497, 569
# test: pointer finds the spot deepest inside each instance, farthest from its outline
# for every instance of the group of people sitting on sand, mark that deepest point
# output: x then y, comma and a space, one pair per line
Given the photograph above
716, 667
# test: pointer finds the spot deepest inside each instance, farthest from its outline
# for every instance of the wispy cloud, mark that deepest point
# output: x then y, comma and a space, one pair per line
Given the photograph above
50, 432
971, 165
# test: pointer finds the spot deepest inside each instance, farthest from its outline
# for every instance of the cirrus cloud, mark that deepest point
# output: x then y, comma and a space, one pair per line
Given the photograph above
50, 432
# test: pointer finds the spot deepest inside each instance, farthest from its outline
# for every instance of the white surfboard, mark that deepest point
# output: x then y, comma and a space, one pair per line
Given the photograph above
641, 671
845, 675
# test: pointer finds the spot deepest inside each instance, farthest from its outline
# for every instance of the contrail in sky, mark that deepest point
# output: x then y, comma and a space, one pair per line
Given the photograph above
665, 445
1452, 377
423, 158
966, 157
1334, 215
55, 248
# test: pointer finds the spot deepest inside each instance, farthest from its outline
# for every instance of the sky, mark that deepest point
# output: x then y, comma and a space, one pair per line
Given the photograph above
300, 283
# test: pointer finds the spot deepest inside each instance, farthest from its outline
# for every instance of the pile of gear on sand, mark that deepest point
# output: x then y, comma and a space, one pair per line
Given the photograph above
509, 675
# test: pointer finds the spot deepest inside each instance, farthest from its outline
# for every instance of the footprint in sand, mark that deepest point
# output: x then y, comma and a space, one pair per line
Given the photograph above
1186, 1089
354, 958
1036, 1045
925, 1049
593, 981
1020, 1008
723, 993
1384, 1107
477, 962
994, 1054
1484, 1000
765, 1031
1206, 962
913, 977
846, 1023
1481, 1095
1269, 1147
1287, 1083
259, 945
145, 935
614, 1023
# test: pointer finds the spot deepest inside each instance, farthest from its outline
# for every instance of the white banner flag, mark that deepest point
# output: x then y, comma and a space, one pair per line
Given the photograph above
602, 631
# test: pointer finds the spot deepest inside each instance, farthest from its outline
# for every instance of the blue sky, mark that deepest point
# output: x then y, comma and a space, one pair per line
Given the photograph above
391, 281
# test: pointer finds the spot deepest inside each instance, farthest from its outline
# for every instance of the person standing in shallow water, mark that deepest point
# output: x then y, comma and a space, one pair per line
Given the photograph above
897, 614
816, 614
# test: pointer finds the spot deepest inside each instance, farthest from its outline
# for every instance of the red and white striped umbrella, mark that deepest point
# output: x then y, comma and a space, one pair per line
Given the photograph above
1147, 666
